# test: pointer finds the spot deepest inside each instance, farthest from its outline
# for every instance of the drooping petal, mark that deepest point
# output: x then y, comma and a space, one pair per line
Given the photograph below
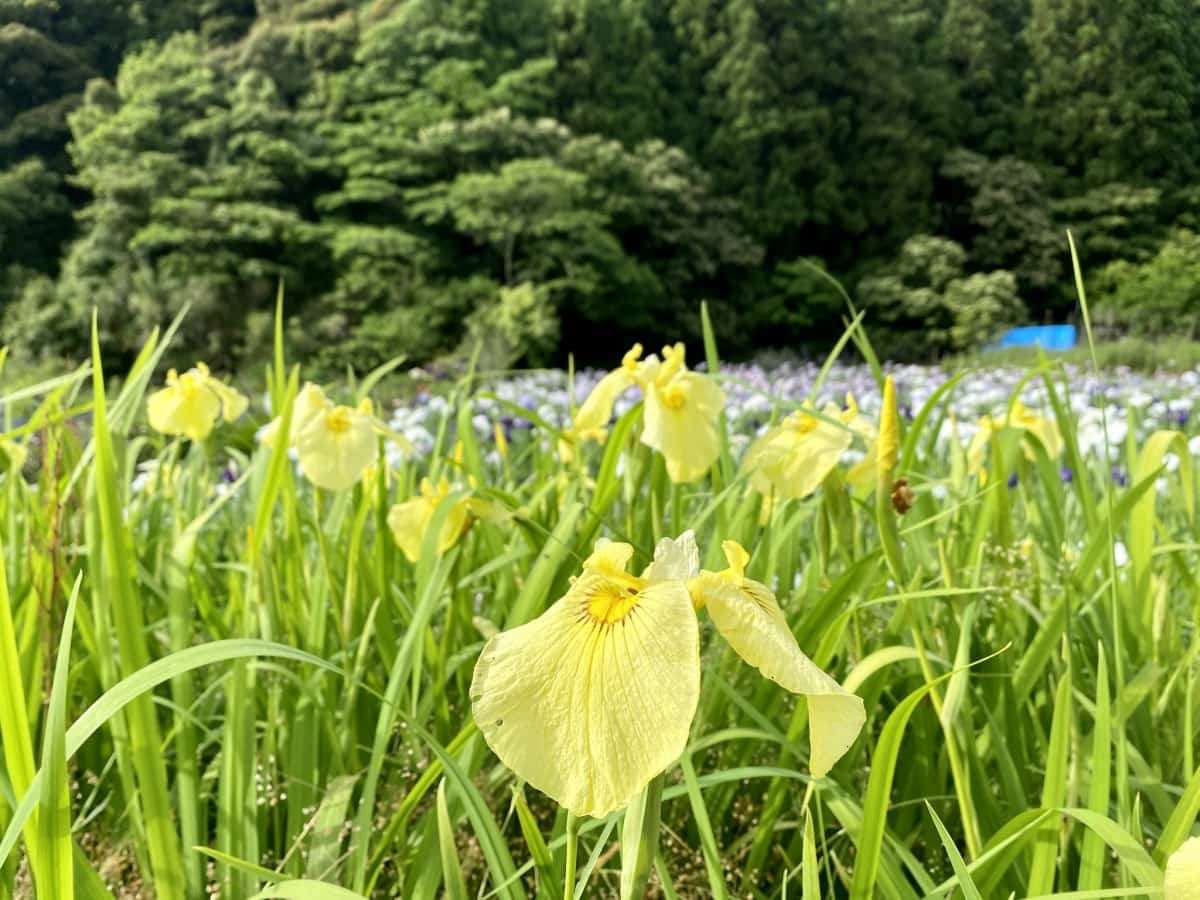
674, 558
681, 423
596, 696
335, 448
747, 615
1183, 872
592, 417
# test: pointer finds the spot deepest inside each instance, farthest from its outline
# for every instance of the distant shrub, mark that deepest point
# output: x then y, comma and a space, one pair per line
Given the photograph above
931, 305
1156, 297
520, 324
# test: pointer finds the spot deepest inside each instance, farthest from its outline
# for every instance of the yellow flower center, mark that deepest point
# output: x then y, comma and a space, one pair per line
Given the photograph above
611, 603
804, 423
338, 420
189, 385
675, 397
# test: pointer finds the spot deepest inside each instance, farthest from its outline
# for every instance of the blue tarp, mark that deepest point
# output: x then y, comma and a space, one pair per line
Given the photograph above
1049, 337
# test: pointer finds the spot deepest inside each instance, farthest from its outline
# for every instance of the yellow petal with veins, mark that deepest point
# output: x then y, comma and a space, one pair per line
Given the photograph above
595, 697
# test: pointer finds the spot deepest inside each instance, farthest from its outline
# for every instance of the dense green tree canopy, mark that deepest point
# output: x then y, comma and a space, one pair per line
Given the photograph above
418, 173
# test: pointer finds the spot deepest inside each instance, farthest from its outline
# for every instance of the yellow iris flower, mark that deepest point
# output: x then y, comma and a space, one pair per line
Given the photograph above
596, 696
681, 414
1021, 417
410, 520
336, 445
191, 403
1183, 872
795, 456
681, 411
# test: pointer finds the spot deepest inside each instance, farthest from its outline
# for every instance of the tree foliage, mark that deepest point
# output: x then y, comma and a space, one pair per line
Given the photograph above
412, 169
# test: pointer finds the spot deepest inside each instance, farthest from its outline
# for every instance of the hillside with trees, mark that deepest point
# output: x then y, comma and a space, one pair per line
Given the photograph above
426, 175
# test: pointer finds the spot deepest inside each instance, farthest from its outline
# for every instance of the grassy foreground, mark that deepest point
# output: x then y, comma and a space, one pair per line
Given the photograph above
220, 680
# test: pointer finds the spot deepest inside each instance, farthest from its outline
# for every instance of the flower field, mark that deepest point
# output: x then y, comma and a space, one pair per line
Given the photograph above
677, 629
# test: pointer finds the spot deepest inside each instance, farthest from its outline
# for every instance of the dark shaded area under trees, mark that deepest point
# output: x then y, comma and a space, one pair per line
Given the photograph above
552, 175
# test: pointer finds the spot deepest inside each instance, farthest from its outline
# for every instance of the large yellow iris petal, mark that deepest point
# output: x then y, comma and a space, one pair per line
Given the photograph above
794, 457
681, 423
749, 618
1183, 872
596, 696
335, 447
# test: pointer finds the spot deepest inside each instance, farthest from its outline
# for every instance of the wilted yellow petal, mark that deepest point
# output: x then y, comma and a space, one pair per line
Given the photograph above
681, 422
596, 696
335, 447
1183, 872
794, 457
748, 616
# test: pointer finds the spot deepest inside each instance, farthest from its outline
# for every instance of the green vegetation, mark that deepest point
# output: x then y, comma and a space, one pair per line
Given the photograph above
242, 685
410, 168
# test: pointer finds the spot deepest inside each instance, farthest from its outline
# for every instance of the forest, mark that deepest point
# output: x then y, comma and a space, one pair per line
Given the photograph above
432, 178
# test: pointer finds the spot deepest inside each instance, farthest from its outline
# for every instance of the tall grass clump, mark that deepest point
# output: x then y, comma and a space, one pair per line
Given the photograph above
274, 649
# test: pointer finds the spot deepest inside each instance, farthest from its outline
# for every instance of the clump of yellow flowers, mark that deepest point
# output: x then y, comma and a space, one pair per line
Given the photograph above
1183, 872
191, 403
595, 697
334, 444
680, 417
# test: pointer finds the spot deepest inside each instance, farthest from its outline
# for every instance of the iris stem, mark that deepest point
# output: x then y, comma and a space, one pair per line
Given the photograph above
572, 847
